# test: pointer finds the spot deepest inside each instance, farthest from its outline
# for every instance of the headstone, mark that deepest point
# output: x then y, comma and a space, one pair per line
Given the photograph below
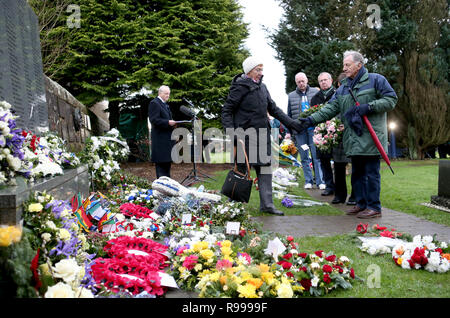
21, 75
443, 197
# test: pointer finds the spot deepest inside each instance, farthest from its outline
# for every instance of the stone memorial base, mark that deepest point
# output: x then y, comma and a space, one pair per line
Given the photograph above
62, 187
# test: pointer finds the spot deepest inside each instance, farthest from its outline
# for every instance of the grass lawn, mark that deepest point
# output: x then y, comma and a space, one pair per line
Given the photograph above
393, 281
413, 183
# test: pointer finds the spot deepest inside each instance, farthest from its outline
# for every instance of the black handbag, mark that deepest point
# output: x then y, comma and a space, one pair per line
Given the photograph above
238, 185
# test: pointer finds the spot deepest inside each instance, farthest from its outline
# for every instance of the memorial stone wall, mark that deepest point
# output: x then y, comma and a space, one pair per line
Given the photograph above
21, 74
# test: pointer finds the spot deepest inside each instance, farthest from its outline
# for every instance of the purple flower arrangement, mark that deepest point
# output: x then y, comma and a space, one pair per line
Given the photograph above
287, 202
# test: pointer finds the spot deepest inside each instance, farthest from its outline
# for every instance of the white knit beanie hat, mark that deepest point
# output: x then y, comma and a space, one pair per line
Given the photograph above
250, 63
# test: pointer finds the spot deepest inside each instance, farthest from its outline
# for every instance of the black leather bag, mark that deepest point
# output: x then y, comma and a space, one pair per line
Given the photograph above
237, 185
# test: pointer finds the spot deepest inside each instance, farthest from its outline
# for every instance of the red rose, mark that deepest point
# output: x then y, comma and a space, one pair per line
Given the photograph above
319, 253
287, 256
331, 258
327, 279
302, 255
242, 233
289, 274
304, 269
439, 250
352, 273
290, 238
362, 228
306, 283
327, 268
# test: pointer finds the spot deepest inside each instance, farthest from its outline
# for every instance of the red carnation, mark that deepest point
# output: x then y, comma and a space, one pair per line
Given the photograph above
419, 256
319, 253
352, 273
362, 228
302, 255
327, 268
327, 278
331, 258
290, 238
380, 228
386, 233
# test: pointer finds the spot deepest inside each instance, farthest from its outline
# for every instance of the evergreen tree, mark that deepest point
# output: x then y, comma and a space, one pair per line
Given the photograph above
122, 46
308, 40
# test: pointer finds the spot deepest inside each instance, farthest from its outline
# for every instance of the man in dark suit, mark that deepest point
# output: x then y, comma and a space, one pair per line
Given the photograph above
162, 126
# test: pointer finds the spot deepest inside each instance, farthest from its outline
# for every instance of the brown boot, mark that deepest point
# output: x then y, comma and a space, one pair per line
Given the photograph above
354, 210
368, 214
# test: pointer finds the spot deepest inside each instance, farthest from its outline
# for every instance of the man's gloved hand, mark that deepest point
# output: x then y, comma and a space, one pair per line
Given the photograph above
302, 124
354, 117
364, 109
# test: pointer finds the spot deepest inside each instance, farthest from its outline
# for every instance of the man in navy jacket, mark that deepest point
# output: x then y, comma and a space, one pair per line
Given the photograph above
162, 126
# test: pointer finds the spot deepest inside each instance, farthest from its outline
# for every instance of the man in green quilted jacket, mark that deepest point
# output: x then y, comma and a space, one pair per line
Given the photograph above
376, 97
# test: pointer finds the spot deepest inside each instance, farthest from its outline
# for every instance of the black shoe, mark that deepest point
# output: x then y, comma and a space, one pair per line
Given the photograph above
327, 192
273, 211
337, 200
351, 201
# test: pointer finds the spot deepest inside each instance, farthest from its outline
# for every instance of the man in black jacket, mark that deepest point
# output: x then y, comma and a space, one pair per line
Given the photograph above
162, 126
326, 92
246, 107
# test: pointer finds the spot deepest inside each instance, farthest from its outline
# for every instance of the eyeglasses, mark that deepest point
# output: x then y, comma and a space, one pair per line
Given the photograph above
258, 70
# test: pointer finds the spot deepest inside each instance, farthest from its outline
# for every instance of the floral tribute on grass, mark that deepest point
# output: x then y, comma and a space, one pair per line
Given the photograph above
424, 252
223, 269
315, 273
288, 147
418, 252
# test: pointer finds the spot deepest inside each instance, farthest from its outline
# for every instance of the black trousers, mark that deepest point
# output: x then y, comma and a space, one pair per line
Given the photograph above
340, 182
162, 169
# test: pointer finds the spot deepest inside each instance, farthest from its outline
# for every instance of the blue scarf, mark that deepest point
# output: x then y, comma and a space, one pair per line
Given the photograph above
352, 82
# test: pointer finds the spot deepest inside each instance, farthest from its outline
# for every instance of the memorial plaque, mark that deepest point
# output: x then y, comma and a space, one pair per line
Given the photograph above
21, 75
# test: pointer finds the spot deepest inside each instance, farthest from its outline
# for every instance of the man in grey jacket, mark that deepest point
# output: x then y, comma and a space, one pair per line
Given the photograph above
295, 107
